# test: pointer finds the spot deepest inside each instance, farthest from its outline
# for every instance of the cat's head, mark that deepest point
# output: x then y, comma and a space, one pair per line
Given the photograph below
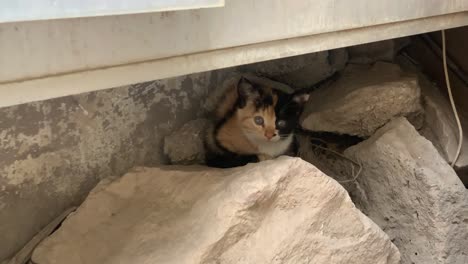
288, 110
256, 111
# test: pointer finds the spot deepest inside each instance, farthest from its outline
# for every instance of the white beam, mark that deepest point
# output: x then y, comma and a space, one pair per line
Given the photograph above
96, 79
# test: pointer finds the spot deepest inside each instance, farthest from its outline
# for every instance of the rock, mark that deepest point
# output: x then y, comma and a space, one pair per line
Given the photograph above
377, 51
301, 71
439, 124
273, 68
338, 58
310, 75
278, 211
268, 82
362, 100
413, 195
185, 146
439, 118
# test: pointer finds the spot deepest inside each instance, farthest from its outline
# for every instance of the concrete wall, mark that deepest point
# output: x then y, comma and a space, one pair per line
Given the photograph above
53, 152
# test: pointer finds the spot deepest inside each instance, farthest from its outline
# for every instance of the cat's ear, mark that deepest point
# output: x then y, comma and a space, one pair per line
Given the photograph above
301, 98
246, 90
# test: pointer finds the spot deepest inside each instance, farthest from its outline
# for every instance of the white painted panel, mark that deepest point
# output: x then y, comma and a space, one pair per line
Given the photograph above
27, 10
39, 49
85, 81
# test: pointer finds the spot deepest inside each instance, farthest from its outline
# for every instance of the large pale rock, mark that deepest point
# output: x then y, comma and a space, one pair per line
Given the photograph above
411, 192
279, 211
364, 99
185, 146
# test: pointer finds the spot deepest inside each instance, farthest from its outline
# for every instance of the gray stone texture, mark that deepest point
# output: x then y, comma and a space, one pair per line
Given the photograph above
411, 192
439, 121
369, 53
186, 145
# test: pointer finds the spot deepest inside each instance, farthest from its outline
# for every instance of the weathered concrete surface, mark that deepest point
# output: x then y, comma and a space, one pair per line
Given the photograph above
362, 100
53, 152
186, 145
411, 192
292, 214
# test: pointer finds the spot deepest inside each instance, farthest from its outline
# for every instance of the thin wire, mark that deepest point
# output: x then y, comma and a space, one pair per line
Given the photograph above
447, 80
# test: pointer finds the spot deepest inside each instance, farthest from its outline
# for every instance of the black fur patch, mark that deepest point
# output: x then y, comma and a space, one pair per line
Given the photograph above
264, 101
229, 160
288, 112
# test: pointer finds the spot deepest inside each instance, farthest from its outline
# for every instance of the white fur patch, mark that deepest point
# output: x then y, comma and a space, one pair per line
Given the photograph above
276, 148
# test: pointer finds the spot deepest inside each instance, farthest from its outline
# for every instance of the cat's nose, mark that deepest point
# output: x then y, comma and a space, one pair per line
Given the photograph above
269, 135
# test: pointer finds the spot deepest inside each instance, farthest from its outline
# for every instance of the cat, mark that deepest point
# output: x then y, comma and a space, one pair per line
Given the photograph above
253, 123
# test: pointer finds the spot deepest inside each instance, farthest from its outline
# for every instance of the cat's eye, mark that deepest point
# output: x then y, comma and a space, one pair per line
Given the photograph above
281, 123
258, 120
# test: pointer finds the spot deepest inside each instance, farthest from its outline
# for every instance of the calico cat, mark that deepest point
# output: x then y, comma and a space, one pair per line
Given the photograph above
254, 123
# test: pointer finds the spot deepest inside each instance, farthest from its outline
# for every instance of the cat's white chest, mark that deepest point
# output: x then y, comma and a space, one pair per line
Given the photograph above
275, 149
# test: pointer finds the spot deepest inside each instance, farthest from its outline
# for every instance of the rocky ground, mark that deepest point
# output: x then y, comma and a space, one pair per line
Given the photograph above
382, 131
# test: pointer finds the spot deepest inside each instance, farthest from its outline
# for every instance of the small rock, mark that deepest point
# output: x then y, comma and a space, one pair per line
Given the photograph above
301, 71
278, 211
376, 51
364, 99
186, 145
322, 68
273, 68
413, 194
268, 82
338, 58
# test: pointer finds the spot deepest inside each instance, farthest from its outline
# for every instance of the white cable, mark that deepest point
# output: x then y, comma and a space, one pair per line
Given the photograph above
460, 130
